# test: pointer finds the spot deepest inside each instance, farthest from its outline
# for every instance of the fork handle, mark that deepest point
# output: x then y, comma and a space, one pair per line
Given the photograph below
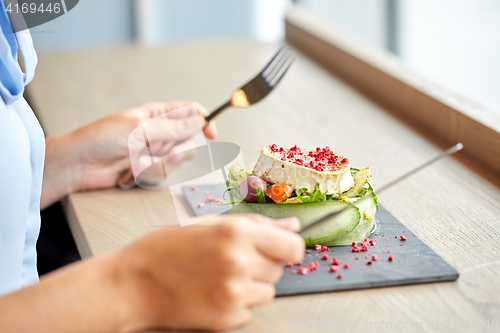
216, 112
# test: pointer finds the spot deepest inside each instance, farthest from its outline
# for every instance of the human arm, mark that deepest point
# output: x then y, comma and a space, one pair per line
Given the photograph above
205, 276
94, 156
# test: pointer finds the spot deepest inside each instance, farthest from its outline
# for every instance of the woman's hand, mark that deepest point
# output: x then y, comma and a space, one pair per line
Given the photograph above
94, 156
208, 276
205, 276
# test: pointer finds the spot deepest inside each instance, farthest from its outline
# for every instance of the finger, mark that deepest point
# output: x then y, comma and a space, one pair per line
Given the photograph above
275, 242
154, 172
266, 269
260, 293
155, 109
209, 130
164, 130
178, 153
181, 156
179, 110
151, 110
289, 223
193, 111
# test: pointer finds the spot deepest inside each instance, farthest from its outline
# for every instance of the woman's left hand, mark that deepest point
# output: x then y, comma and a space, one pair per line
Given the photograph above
95, 156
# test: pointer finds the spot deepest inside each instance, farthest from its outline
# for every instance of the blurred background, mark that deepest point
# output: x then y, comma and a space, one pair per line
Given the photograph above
454, 43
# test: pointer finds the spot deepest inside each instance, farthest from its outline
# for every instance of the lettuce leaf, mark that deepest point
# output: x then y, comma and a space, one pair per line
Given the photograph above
233, 187
315, 196
261, 197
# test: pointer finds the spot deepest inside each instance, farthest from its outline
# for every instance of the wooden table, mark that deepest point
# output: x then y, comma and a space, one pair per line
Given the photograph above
449, 206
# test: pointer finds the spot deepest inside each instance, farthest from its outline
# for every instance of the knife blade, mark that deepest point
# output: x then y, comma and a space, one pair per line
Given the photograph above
452, 150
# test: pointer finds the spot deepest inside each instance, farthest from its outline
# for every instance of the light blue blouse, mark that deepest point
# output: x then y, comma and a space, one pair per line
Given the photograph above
22, 151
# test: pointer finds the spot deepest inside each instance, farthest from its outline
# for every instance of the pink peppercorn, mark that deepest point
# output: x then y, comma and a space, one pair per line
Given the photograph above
347, 266
289, 264
390, 258
194, 188
317, 247
313, 266
293, 271
374, 257
325, 249
298, 263
324, 257
403, 238
339, 276
334, 268
303, 271
335, 261
369, 262
208, 192
200, 205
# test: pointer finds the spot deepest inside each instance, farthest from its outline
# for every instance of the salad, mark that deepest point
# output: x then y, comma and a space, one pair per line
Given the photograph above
307, 184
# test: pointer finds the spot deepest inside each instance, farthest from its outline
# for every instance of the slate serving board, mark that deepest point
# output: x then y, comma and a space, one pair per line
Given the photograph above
413, 263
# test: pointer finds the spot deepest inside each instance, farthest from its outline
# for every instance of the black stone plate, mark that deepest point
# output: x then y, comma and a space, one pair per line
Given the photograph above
413, 263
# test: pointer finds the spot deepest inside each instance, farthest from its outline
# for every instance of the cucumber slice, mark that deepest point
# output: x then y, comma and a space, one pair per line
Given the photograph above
367, 209
308, 213
360, 179
374, 196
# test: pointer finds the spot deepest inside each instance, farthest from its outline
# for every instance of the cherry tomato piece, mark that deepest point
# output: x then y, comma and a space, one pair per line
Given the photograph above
280, 192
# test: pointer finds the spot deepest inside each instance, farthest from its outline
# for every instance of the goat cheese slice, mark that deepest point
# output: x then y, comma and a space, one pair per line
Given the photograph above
304, 168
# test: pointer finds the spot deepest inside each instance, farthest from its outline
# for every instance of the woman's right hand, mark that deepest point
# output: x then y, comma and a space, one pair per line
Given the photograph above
208, 275
205, 276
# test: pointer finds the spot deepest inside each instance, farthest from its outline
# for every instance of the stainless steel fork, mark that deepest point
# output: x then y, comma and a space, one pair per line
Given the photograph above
258, 88
252, 92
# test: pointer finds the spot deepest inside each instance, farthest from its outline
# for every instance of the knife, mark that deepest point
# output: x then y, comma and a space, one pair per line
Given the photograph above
452, 150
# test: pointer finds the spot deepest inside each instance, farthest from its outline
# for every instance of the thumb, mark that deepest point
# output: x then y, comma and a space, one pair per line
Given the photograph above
180, 129
163, 129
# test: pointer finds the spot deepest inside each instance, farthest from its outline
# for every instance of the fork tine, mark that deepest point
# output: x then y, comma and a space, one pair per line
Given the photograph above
282, 74
277, 65
282, 71
284, 47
